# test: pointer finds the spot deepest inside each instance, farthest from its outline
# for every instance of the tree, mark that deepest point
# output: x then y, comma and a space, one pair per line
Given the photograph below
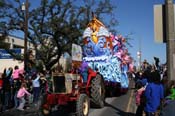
55, 24
3, 33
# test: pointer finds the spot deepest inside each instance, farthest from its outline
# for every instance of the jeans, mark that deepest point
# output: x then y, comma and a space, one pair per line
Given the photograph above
22, 103
6, 100
36, 93
139, 111
16, 100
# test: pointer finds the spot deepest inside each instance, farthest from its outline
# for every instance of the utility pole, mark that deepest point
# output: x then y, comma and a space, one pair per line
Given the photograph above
170, 39
25, 8
140, 59
139, 55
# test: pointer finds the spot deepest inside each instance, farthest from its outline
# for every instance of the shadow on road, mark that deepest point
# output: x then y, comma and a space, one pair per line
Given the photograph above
119, 111
15, 112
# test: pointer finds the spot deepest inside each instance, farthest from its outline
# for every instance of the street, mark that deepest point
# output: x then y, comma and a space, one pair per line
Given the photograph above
117, 106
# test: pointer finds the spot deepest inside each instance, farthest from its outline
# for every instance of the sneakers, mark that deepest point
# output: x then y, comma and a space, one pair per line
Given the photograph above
21, 109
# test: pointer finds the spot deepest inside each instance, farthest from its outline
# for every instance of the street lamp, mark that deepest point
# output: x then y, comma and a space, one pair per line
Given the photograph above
139, 57
25, 8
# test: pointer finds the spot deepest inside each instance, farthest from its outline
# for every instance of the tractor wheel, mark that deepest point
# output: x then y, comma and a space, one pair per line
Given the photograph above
98, 91
82, 105
44, 108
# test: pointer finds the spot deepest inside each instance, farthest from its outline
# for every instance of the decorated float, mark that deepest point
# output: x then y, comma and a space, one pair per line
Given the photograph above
107, 54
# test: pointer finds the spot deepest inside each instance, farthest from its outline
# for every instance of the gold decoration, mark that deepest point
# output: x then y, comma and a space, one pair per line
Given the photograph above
95, 24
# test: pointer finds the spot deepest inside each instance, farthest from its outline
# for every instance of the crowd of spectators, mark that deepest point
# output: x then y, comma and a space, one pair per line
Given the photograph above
17, 86
152, 89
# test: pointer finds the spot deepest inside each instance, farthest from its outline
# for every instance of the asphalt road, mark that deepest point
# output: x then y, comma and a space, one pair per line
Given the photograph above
123, 105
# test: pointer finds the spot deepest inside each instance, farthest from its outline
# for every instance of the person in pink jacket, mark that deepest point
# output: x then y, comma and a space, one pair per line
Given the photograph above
139, 98
21, 94
16, 72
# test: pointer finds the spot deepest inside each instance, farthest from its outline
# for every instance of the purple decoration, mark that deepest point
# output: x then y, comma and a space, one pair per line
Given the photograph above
84, 66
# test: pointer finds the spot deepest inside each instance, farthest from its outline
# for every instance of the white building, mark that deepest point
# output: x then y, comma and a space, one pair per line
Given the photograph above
14, 42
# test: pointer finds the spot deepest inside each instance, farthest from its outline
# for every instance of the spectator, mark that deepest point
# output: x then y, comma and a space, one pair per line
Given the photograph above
169, 103
168, 110
17, 72
6, 88
1, 85
154, 93
156, 63
36, 86
1, 82
16, 87
21, 95
139, 97
172, 90
17, 79
144, 65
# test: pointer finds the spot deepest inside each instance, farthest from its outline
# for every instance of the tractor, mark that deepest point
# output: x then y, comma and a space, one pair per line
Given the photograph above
71, 92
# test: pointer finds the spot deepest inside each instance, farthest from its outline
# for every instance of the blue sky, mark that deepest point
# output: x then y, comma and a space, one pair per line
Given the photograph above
136, 16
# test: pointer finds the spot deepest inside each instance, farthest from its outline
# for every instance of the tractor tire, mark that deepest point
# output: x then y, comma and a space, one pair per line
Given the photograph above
82, 105
44, 111
97, 91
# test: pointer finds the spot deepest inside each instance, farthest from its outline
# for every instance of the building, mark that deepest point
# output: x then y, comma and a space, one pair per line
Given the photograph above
12, 42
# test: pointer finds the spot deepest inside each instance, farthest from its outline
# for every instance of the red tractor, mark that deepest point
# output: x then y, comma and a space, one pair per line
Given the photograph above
70, 90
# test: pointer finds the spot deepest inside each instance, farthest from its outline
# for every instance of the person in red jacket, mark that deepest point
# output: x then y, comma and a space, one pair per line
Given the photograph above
1, 84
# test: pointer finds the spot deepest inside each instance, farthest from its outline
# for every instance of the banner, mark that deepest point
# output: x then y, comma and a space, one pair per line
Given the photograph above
76, 52
5, 54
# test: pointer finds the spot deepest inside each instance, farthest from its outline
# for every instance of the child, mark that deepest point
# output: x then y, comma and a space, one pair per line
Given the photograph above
36, 86
21, 95
171, 95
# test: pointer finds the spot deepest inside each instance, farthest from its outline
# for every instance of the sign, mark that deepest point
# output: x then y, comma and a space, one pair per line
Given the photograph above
160, 31
4, 54
76, 52
159, 23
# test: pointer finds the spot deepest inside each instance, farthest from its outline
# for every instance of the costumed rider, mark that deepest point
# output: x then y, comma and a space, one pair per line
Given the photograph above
84, 71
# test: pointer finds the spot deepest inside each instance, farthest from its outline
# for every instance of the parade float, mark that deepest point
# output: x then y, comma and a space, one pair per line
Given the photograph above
108, 54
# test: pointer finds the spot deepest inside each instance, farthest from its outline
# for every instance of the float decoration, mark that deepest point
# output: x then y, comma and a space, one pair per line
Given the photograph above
106, 52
